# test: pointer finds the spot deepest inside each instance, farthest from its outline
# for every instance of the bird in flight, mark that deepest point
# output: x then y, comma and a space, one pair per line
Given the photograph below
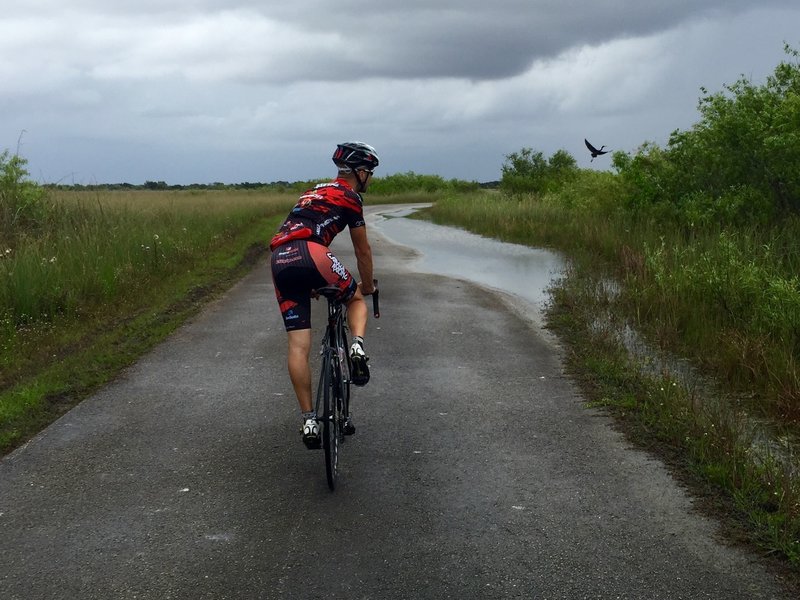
595, 152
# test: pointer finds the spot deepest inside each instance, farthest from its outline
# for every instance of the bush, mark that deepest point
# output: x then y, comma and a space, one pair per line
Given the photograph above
410, 182
590, 189
22, 202
740, 162
528, 172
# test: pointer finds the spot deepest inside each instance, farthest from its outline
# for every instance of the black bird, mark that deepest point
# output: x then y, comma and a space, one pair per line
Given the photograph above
595, 152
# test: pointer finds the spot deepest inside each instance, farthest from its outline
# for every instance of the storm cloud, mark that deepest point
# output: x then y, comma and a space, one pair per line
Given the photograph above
212, 90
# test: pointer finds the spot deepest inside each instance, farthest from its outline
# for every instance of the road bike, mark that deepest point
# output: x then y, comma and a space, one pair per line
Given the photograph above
333, 390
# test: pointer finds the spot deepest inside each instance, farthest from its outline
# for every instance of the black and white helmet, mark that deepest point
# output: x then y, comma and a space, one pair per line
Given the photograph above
355, 155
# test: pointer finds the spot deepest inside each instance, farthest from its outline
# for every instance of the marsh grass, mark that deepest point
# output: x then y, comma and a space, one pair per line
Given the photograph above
102, 277
95, 247
725, 299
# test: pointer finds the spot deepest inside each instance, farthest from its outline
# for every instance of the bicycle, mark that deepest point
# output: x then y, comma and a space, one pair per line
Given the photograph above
333, 390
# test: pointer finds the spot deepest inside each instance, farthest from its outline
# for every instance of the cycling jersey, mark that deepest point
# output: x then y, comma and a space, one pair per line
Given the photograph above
301, 261
321, 214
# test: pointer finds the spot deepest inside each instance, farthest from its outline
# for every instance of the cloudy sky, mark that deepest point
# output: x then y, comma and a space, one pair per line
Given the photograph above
197, 91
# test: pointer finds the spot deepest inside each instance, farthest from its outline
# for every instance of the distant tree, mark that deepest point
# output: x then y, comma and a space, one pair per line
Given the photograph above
410, 182
528, 171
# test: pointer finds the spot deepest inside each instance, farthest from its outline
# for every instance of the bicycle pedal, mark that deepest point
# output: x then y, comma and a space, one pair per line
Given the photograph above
314, 443
360, 372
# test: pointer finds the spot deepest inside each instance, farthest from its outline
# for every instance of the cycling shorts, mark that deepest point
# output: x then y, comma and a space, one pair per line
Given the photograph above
300, 266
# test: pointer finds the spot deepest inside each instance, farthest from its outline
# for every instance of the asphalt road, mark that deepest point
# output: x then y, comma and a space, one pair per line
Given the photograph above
476, 472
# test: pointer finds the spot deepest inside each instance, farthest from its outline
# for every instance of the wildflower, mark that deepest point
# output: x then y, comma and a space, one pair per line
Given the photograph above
155, 237
52, 260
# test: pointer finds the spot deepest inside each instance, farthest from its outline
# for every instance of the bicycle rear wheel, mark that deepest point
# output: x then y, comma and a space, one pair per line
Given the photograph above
332, 418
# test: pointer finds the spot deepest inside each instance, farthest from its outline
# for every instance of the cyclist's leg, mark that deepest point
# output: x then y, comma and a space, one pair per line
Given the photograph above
299, 350
357, 320
357, 314
335, 273
294, 274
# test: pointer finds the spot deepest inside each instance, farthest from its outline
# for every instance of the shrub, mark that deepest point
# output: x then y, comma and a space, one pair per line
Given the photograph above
410, 182
527, 171
22, 202
740, 162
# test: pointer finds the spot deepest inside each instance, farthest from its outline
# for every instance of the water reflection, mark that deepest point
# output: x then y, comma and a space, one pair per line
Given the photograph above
525, 272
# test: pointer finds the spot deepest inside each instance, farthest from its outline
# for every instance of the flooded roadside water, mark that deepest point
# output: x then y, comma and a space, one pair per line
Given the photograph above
523, 274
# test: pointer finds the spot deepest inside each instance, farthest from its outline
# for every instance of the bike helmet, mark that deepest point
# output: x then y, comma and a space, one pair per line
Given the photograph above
355, 155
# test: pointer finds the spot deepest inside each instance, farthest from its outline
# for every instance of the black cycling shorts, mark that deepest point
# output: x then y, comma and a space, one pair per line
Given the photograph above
300, 266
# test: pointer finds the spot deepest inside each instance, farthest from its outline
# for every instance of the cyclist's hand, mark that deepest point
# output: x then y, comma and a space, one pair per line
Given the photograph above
367, 290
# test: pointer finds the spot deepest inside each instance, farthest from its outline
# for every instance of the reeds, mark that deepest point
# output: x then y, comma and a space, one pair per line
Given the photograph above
93, 248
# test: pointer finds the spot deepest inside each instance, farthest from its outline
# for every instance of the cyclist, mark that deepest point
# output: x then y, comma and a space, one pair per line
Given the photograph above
302, 262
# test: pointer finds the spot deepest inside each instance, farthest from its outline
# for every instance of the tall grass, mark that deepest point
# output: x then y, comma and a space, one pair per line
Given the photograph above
98, 249
730, 299
95, 248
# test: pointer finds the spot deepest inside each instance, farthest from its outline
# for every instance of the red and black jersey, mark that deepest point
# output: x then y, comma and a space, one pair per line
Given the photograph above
321, 214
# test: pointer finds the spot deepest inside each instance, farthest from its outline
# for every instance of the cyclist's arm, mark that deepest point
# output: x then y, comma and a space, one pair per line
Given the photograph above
358, 235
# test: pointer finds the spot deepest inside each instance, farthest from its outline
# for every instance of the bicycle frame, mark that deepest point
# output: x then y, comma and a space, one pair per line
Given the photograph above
333, 390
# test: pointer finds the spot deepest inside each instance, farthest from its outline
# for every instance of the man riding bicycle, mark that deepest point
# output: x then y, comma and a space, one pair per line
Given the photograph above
302, 262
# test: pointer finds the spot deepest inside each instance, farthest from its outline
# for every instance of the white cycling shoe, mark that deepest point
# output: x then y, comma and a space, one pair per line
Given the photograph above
360, 368
311, 434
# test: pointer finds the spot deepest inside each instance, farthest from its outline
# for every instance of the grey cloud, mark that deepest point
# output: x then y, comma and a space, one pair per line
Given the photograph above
472, 39
201, 90
481, 40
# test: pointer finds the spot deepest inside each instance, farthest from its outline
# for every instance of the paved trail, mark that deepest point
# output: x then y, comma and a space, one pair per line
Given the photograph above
475, 473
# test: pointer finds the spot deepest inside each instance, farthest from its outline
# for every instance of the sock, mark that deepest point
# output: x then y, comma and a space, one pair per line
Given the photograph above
359, 339
309, 415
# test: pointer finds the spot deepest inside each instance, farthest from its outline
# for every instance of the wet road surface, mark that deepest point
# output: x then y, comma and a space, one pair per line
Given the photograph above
476, 472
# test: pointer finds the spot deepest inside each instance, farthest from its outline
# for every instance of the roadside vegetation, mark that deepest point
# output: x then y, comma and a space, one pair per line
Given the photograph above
695, 248
91, 277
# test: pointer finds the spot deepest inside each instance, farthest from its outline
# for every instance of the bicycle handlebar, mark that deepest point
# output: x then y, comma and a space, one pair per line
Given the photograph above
375, 306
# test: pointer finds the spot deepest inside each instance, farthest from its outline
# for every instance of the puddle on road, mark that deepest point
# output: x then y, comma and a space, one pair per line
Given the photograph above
523, 272
526, 274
